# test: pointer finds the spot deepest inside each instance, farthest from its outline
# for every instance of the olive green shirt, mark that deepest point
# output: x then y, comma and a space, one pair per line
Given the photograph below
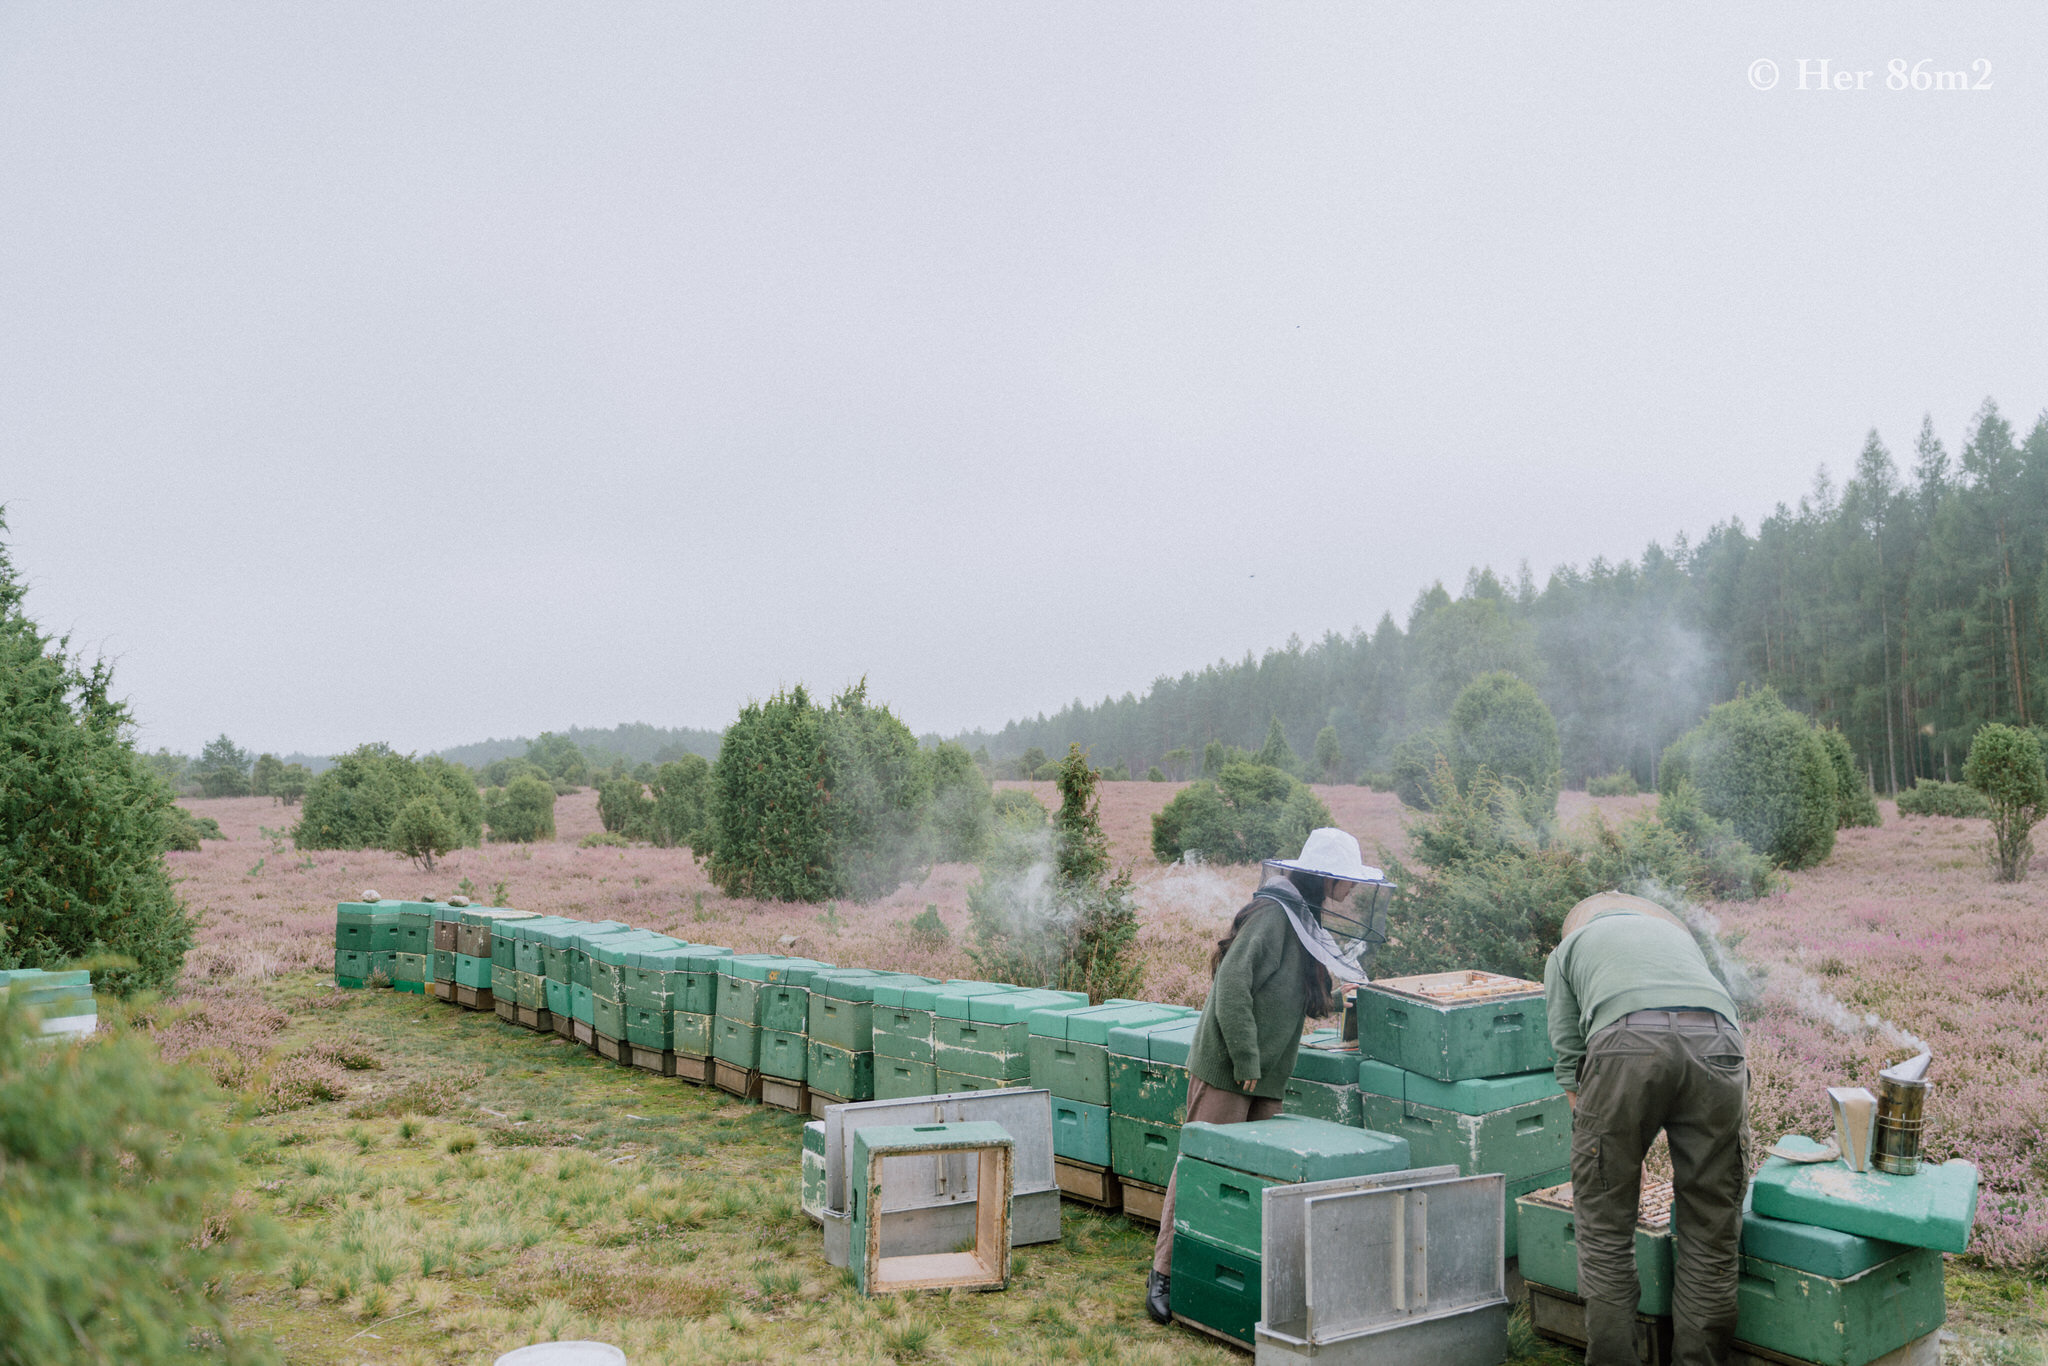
1251, 1024
1622, 962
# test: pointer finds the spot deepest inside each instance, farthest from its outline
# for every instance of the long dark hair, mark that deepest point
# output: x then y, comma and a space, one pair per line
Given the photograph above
1316, 984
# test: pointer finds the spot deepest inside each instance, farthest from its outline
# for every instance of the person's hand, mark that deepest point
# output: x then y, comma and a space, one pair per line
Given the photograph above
1571, 1100
1248, 1086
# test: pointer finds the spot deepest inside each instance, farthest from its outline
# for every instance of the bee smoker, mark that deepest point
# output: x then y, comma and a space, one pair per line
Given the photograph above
1901, 1116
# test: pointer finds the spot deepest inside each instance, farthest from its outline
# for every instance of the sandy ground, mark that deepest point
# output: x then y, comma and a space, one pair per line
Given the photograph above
1899, 936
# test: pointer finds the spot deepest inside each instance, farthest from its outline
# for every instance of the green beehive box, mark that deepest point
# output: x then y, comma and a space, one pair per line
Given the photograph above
735, 1042
903, 1015
783, 1054
1288, 1149
352, 968
864, 1187
1511, 1223
1522, 1140
1080, 1131
842, 1006
557, 995
900, 1078
1216, 1287
1069, 1049
696, 987
691, 1032
653, 977
582, 1005
367, 927
1472, 1096
1804, 1247
579, 944
472, 972
1322, 1100
1142, 1151
1841, 1322
811, 1190
1546, 1242
1455, 1025
607, 1017
1148, 1074
612, 957
953, 1082
409, 971
383, 966
840, 1072
784, 1008
973, 1062
650, 1028
441, 963
1220, 1205
557, 938
416, 927
1935, 1207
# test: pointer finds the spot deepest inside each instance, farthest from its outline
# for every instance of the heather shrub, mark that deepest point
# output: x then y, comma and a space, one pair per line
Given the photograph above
2005, 765
1612, 785
1855, 803
1760, 766
354, 804
1247, 813
84, 820
1500, 725
1414, 767
1932, 797
122, 1238
522, 811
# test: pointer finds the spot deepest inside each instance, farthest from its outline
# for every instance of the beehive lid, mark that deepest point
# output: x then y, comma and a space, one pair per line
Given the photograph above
1478, 1096
918, 993
1329, 1061
1444, 990
617, 950
1653, 1209
706, 958
559, 935
41, 978
668, 957
1290, 1148
491, 915
1015, 1007
1091, 1024
950, 998
536, 930
847, 984
452, 914
1934, 1208
1135, 1041
367, 912
421, 910
814, 1137
752, 967
1803, 1247
795, 972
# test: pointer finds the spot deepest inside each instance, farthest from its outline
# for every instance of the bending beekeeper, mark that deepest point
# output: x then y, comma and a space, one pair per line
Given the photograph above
1273, 970
1646, 1040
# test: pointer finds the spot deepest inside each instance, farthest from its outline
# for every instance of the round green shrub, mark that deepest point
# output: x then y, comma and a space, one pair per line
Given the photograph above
1933, 797
1247, 813
522, 811
1762, 767
1499, 724
2005, 765
1855, 803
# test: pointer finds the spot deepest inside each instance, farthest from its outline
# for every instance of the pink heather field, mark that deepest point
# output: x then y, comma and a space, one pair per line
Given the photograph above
1900, 935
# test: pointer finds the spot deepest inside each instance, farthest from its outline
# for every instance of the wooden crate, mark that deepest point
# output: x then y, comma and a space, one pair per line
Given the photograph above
1143, 1202
563, 1024
442, 991
1088, 1184
821, 1099
541, 1020
784, 1094
658, 1061
615, 1049
582, 1033
475, 998
506, 1008
694, 1069
1560, 1316
744, 1082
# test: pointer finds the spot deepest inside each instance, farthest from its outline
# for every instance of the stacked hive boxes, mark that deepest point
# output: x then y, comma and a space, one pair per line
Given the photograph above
441, 958
1324, 1084
1148, 1101
412, 968
1070, 1058
841, 1034
63, 1001
652, 976
1458, 1063
612, 959
475, 950
785, 1033
693, 1002
749, 985
1223, 1171
519, 968
582, 1004
981, 1039
903, 1018
365, 943
1547, 1242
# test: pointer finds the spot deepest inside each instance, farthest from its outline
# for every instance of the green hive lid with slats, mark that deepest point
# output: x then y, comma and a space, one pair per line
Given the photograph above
541, 929
1477, 1096
929, 997
417, 910
1320, 1061
1016, 1007
1135, 1041
1291, 1148
752, 967
660, 957
1172, 1042
597, 932
557, 931
1091, 1024
706, 958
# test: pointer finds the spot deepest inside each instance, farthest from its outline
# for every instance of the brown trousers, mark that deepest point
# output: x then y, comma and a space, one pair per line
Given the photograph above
1209, 1105
1689, 1078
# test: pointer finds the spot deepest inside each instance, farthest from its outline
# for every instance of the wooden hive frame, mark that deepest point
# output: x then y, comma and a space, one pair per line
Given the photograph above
984, 1266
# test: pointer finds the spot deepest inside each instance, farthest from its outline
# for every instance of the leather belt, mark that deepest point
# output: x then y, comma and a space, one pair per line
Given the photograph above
1671, 1019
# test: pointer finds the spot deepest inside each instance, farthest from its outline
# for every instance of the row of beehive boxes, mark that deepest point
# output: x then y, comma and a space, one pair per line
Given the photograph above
62, 1001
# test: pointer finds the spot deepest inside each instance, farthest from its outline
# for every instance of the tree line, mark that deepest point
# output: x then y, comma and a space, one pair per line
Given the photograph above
1902, 609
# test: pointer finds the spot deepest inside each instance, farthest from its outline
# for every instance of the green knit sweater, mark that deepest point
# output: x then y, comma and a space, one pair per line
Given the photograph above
1251, 1023
1616, 964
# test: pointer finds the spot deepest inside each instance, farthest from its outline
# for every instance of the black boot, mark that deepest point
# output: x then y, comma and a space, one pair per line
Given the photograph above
1159, 1297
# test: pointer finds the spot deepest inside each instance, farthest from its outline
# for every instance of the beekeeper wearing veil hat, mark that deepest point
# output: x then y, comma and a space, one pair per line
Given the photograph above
1313, 922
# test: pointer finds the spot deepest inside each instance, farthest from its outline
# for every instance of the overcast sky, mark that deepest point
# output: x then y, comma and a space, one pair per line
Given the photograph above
426, 372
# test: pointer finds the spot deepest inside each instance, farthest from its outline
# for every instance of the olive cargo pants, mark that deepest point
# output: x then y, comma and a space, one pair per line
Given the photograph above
1682, 1072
